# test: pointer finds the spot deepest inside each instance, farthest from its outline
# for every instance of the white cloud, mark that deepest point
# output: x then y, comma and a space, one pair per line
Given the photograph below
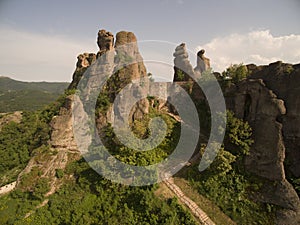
31, 56
258, 47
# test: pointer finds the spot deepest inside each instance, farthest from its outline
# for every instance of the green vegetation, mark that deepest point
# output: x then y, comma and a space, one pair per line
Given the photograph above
141, 130
27, 96
20, 141
90, 199
87, 198
180, 75
235, 73
8, 84
225, 182
25, 100
17, 143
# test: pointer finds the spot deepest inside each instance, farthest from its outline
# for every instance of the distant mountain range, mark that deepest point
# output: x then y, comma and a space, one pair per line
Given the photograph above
22, 96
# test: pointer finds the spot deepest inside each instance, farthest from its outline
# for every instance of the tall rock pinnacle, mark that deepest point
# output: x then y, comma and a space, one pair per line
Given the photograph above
105, 41
203, 63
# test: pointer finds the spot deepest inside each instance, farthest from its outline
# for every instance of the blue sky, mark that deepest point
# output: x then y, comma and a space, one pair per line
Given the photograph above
39, 40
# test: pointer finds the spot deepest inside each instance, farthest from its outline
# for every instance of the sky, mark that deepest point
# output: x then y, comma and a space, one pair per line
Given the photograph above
40, 40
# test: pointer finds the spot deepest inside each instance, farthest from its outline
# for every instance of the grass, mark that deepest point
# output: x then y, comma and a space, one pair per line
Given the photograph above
213, 211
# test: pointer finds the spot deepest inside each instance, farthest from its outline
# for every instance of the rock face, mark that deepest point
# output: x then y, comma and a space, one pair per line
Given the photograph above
62, 128
253, 102
268, 100
62, 149
203, 63
127, 51
105, 41
121, 61
83, 62
183, 69
284, 81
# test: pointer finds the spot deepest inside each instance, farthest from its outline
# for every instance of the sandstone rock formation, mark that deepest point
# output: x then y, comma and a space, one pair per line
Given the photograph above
105, 41
203, 63
62, 150
123, 64
253, 102
269, 100
183, 70
284, 81
83, 62
262, 100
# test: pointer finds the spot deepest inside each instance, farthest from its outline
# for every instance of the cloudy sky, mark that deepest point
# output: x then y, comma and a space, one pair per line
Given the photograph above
39, 40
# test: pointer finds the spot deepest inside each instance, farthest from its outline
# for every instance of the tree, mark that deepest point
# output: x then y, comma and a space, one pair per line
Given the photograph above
238, 136
236, 72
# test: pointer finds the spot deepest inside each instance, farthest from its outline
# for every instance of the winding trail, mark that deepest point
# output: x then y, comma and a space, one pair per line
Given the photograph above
7, 188
194, 208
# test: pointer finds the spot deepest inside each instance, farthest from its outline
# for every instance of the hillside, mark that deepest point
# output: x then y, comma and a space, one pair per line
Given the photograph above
57, 173
27, 96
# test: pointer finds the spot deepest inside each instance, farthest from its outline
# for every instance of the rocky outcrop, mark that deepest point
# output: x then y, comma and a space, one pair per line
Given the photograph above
269, 100
62, 149
83, 62
123, 64
183, 70
105, 42
6, 118
254, 102
127, 54
62, 128
203, 63
284, 80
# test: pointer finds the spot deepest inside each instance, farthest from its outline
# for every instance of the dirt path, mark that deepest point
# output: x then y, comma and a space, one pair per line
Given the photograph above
199, 213
8, 188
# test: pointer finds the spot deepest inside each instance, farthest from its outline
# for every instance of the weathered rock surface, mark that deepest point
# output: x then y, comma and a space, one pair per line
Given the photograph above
183, 70
62, 128
252, 101
203, 63
83, 62
105, 40
284, 81
62, 150
123, 64
268, 101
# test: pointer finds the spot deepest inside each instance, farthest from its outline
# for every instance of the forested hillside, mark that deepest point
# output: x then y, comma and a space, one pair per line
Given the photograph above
21, 96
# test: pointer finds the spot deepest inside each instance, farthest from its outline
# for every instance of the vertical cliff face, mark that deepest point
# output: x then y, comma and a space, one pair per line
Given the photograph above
252, 101
284, 81
268, 101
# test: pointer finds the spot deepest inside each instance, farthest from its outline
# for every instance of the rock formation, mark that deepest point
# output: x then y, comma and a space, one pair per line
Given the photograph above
265, 101
270, 101
83, 62
105, 41
121, 61
203, 63
284, 81
183, 70
62, 149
